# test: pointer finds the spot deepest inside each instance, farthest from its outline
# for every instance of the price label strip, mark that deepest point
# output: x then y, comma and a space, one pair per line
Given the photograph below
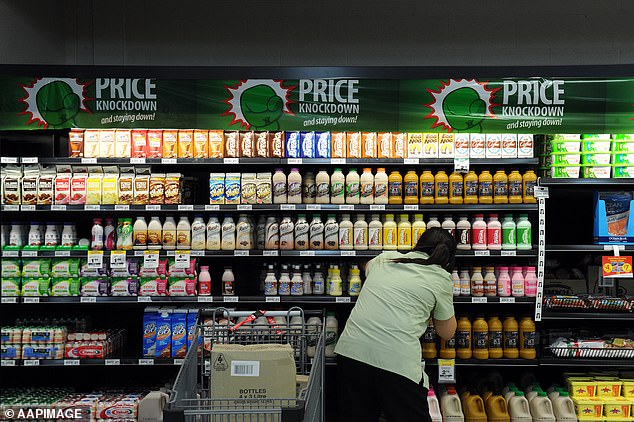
182, 259
461, 165
446, 371
541, 252
117, 259
150, 259
95, 259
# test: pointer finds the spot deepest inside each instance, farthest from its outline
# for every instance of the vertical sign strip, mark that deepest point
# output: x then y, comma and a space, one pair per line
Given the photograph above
541, 257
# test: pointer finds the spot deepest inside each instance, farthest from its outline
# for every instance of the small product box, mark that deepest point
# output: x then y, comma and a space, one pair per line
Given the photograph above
461, 145
179, 333
477, 145
613, 219
170, 143
509, 145
338, 149
247, 144
525, 145
76, 143
415, 144
308, 144
216, 144
94, 188
232, 188
323, 144
155, 143
139, 143
262, 145
192, 318
123, 143
186, 143
263, 188
399, 145
150, 316
232, 144
277, 144
78, 189
353, 140
157, 188
369, 145
249, 188
91, 143
446, 145
164, 333
216, 188
201, 144
493, 147
384, 145
431, 143
293, 145
106, 143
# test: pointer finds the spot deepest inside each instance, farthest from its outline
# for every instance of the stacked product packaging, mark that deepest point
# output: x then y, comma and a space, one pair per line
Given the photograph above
168, 332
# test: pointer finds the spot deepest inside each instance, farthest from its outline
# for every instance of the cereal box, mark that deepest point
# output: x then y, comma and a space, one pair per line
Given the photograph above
232, 188
157, 188
216, 144
106, 143
172, 188
76, 143
415, 145
123, 143
525, 145
78, 188
164, 333
170, 143
446, 145
186, 144
94, 188
155, 143
247, 144
91, 143
261, 144
277, 144
353, 140
249, 189
430, 145
126, 186
179, 333
322, 144
110, 186
142, 186
338, 149
461, 145
29, 185
264, 188
217, 188
201, 144
399, 145
232, 144
509, 145
493, 148
293, 145
139, 143
476, 145
62, 185
384, 145
369, 145
45, 186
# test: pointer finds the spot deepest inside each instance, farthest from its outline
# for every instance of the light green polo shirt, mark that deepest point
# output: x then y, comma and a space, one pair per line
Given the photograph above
392, 312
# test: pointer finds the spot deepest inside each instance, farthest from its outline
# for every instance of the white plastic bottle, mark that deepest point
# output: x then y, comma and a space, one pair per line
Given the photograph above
564, 408
108, 235
433, 222
524, 234
244, 233
479, 233
375, 233
155, 233
96, 243
228, 282
509, 240
297, 284
463, 234
390, 233
309, 188
301, 233
294, 187
199, 229
335, 285
213, 234
270, 282
307, 280
228, 234
272, 241
316, 233
449, 225
404, 233
541, 408
346, 233
51, 236
494, 233
337, 187
332, 334
287, 233
517, 282
354, 281
367, 187
352, 187
284, 284
434, 406
183, 233
140, 233
322, 181
465, 283
519, 408
319, 284
331, 233
204, 281
418, 228
260, 230
380, 187
455, 279
169, 233
279, 187
360, 235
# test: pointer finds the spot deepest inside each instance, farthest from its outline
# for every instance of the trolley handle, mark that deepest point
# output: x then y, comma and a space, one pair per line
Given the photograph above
240, 314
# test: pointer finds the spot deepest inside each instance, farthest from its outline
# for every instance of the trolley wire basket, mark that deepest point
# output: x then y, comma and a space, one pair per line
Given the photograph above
191, 397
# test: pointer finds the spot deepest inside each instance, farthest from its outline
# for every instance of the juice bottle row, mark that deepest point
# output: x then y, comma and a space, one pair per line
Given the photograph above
484, 339
372, 187
497, 281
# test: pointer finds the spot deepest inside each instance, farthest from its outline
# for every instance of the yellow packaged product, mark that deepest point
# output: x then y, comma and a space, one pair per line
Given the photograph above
110, 186
172, 188
582, 387
617, 407
430, 145
106, 143
186, 144
628, 387
608, 387
93, 188
170, 143
446, 145
415, 145
589, 407
201, 144
216, 144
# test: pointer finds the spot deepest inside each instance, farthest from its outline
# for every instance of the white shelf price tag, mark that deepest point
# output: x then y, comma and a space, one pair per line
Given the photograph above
287, 207
12, 253
7, 362
92, 207
410, 207
179, 361
294, 161
482, 253
337, 161
231, 299
508, 253
231, 160
272, 299
95, 259
271, 253
168, 161
479, 300
11, 207
32, 362
150, 259
446, 371
197, 253
117, 259
122, 207
240, 253
112, 362
89, 161
313, 207
244, 207
139, 253
212, 207
346, 207
29, 253
185, 207
377, 207
181, 259
507, 300
411, 161
87, 299
58, 207
9, 160
137, 160
152, 207
9, 300
205, 299
306, 253
62, 253
541, 192
144, 299
29, 160
461, 165
71, 362
342, 300
146, 362
31, 299
348, 253
27, 207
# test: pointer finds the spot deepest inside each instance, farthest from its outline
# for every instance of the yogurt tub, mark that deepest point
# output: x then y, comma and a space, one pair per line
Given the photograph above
565, 146
563, 171
596, 158
567, 158
623, 172
623, 158
597, 172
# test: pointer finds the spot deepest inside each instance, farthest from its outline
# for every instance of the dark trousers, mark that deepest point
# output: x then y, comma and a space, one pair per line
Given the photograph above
366, 391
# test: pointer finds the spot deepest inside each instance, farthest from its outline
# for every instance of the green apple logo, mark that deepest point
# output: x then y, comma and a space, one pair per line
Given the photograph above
54, 102
258, 104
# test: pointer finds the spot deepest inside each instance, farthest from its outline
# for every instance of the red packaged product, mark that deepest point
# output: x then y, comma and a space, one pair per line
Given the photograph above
155, 143
139, 143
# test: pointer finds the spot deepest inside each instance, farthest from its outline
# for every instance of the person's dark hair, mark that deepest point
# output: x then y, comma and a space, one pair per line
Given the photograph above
439, 244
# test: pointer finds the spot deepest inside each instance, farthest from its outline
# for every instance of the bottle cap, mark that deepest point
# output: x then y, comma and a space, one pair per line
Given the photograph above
493, 216
381, 169
563, 394
295, 169
541, 394
366, 169
519, 393
352, 170
478, 215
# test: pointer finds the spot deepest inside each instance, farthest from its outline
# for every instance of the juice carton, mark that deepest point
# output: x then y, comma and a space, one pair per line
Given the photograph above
293, 145
493, 148
323, 144
91, 143
369, 145
76, 143
446, 145
141, 189
217, 188
338, 145
525, 145
164, 333
123, 143
249, 188
216, 144
155, 143
430, 145
126, 186
139, 143
308, 144
262, 144
509, 145
179, 333
232, 144
45, 186
461, 145
247, 144
232, 188
263, 188
277, 144
353, 140
106, 143
384, 145
93, 188
78, 188
477, 145
415, 144
170, 143
173, 188
186, 144
62, 185
157, 188
192, 316
150, 316
399, 146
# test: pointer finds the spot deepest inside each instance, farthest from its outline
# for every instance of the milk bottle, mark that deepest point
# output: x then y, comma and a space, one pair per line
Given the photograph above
449, 225
455, 279
154, 233
244, 231
494, 233
294, 187
284, 284
272, 230
463, 234
322, 195
332, 333
541, 408
390, 233
404, 233
360, 235
337, 187
169, 233
352, 187
287, 233
375, 233
140, 233
564, 408
228, 234
316, 233
213, 234
307, 280
331, 233
519, 408
260, 230
380, 186
418, 228
433, 222
434, 406
318, 281
270, 282
279, 187
450, 407
199, 229
301, 233
346, 233
183, 233
309, 188
367, 187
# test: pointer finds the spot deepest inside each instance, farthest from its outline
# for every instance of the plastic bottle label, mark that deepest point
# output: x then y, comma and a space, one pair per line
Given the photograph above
481, 340
367, 189
389, 237
456, 189
429, 336
463, 340
374, 236
443, 189
524, 236
360, 237
486, 189
323, 190
405, 237
284, 288
355, 288
395, 188
294, 189
515, 188
337, 189
529, 340
463, 236
495, 339
494, 236
479, 236
279, 189
510, 339
345, 237
471, 188
530, 188
500, 188
451, 343
508, 236
427, 189
411, 189
380, 190
352, 190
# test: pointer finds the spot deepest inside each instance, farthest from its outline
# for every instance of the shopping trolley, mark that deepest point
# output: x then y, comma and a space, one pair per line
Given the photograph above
190, 398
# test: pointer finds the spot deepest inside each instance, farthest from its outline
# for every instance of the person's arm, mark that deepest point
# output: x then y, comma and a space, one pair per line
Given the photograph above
447, 328
444, 319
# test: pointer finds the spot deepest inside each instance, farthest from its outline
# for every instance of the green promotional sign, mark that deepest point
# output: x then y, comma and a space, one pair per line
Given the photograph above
535, 105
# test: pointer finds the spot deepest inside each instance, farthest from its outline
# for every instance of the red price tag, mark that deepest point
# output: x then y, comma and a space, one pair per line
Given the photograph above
617, 266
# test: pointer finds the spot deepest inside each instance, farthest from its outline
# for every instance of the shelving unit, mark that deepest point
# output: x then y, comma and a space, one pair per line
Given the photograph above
587, 363
590, 183
588, 248
581, 315
91, 362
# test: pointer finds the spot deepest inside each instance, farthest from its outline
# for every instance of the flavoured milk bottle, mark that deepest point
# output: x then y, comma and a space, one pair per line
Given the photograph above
294, 187
316, 233
332, 334
463, 234
494, 233
529, 180
390, 233
500, 188
449, 225
496, 409
375, 233
434, 406
154, 233
199, 231
474, 410
485, 187
367, 187
346, 233
204, 281
465, 283
456, 188
322, 182
524, 234
530, 282
508, 233
418, 228
477, 282
272, 230
337, 187
433, 222
140, 233
213, 234
515, 187
404, 233
504, 282
301, 233
410, 187
287, 233
169, 233
352, 187
380, 187
471, 188
518, 408
395, 188
309, 188
280, 195
479, 233
331, 233
183, 233
360, 235
517, 282
228, 234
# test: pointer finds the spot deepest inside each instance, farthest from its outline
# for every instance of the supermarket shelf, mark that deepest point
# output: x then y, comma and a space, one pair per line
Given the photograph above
587, 248
268, 161
497, 300
585, 182
257, 253
489, 362
574, 362
581, 315
273, 207
92, 362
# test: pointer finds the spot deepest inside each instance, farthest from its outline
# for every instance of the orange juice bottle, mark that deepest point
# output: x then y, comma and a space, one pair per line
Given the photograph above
511, 335
429, 342
463, 338
529, 180
471, 188
427, 187
480, 338
410, 182
496, 338
485, 187
527, 338
515, 187
441, 182
448, 348
500, 188
395, 188
456, 188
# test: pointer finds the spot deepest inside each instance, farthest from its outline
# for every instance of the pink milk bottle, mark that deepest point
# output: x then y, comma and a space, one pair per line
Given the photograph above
504, 282
494, 233
517, 282
479, 233
530, 282
204, 281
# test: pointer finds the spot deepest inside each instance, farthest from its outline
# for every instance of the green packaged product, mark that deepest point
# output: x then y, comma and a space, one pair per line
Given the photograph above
565, 146
11, 268
597, 172
596, 145
10, 286
567, 158
596, 158
36, 267
32, 286
65, 267
623, 158
65, 286
570, 172
622, 172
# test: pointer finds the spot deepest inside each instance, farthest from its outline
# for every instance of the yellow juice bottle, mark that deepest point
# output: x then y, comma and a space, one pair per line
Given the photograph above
410, 183
471, 188
390, 233
500, 188
529, 180
441, 182
427, 187
485, 187
456, 188
515, 187
395, 188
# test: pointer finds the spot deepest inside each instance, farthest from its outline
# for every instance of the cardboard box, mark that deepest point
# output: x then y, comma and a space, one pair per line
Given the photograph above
446, 145
338, 145
415, 144
384, 146
461, 145
493, 147
257, 371
477, 145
